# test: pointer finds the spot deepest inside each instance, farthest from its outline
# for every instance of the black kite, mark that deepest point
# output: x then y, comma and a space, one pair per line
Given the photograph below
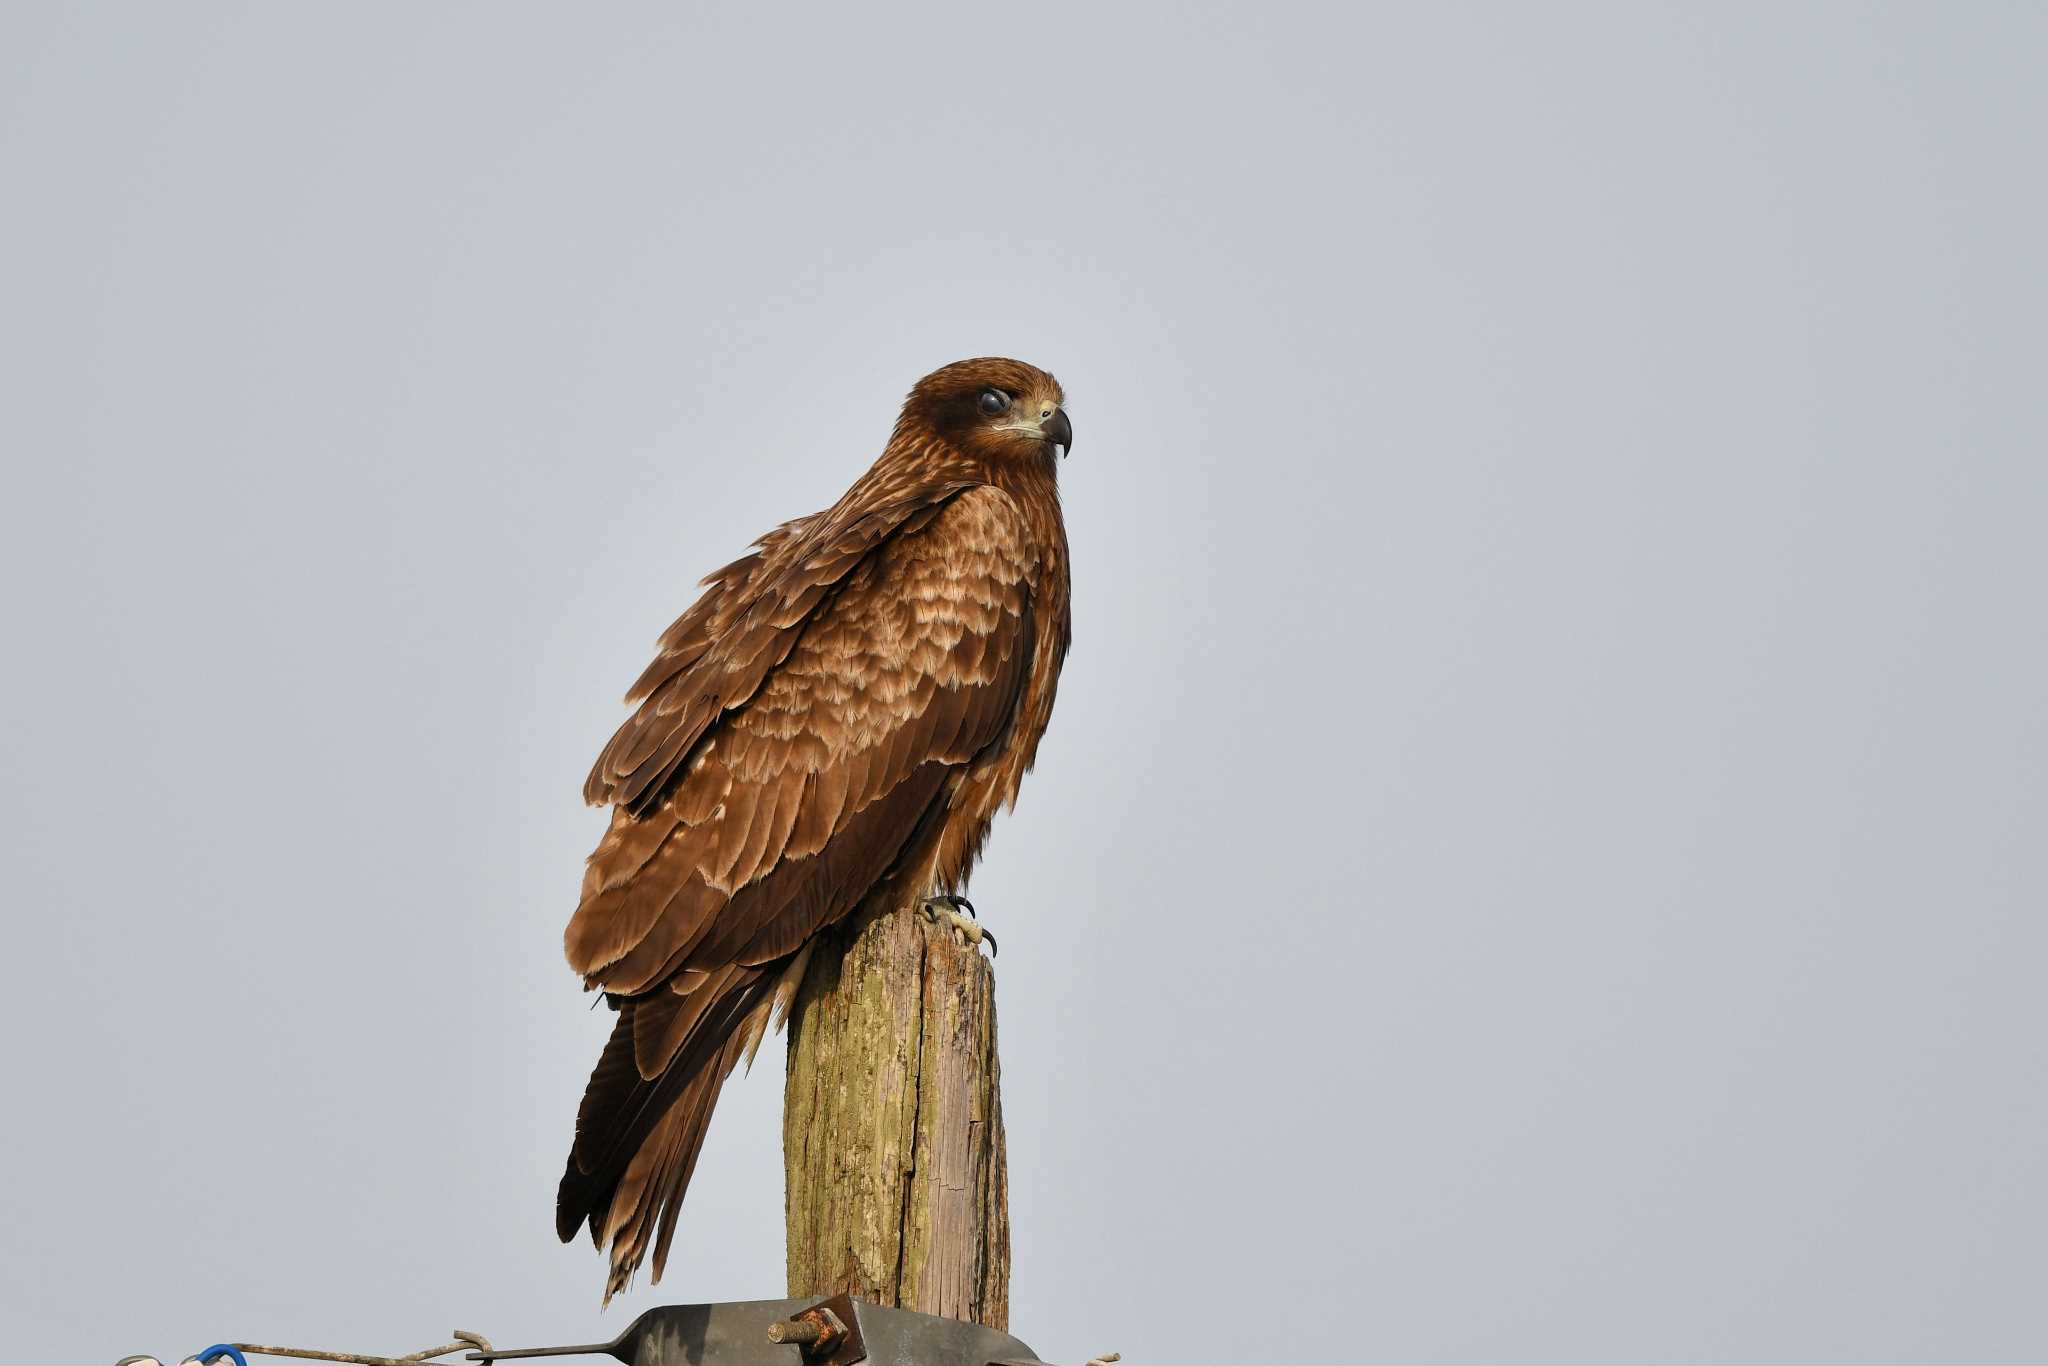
834, 722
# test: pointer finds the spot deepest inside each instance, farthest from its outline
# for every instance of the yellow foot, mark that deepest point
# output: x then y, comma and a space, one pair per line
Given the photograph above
947, 910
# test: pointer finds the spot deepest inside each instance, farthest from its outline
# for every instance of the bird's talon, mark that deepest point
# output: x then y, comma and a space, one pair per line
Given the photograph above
947, 908
951, 902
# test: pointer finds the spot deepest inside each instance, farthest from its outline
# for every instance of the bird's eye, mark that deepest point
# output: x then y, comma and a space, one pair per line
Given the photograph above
994, 401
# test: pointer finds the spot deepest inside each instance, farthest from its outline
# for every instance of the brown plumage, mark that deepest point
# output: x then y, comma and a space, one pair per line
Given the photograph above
834, 722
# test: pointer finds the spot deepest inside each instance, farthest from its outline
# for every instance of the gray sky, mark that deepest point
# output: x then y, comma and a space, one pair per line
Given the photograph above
1540, 849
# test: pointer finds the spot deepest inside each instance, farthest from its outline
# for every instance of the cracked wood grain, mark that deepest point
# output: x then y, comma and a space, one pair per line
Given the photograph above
892, 1129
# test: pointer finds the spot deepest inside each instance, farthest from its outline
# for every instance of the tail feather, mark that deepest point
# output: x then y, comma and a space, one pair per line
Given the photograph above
650, 1193
637, 1139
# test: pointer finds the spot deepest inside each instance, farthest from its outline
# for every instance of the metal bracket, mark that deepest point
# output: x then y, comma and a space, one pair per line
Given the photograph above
840, 1331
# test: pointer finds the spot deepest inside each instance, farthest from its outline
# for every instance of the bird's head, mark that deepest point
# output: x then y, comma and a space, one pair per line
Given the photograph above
994, 408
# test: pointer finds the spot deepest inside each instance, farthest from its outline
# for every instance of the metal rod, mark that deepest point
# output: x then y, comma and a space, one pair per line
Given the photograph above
462, 1340
585, 1349
356, 1358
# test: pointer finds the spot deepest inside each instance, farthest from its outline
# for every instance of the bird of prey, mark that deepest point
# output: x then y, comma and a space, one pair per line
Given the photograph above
832, 724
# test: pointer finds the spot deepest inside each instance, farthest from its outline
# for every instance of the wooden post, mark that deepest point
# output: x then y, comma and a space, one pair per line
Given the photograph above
892, 1124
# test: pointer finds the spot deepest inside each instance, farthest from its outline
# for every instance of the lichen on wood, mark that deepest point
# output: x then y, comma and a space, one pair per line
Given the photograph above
892, 1130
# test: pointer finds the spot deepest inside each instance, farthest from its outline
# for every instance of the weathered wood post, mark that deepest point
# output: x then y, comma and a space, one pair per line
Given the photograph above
892, 1123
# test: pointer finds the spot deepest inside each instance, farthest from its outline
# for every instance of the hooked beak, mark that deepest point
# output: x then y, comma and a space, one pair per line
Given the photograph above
1060, 431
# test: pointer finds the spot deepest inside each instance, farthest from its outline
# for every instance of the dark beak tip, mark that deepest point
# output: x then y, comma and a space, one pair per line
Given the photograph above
1061, 432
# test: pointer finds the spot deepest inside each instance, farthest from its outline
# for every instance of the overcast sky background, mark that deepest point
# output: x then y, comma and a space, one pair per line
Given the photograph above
1541, 847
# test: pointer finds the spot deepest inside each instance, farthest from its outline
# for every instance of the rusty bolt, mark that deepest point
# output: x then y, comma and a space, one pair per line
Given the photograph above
817, 1331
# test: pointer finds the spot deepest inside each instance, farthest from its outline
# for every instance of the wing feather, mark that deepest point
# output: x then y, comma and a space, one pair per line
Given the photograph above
715, 654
